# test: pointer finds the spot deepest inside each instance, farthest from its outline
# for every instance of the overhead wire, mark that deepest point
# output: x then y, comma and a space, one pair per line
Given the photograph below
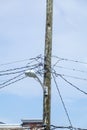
12, 82
66, 59
12, 73
73, 85
21, 69
62, 100
11, 79
55, 64
13, 62
70, 76
18, 61
73, 69
42, 57
13, 69
36, 59
40, 63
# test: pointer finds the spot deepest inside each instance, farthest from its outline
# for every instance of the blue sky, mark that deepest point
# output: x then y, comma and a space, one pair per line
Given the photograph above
22, 36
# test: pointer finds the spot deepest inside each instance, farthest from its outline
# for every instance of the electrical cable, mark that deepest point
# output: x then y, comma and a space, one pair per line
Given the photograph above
62, 100
18, 61
56, 63
11, 79
13, 69
12, 73
70, 76
73, 85
18, 68
22, 69
8, 63
65, 59
12, 82
71, 69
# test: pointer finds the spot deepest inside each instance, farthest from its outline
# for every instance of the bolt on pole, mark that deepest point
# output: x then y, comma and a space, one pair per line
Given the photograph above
47, 65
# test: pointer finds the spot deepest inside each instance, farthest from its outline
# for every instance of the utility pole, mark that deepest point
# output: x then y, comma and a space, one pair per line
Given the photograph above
47, 65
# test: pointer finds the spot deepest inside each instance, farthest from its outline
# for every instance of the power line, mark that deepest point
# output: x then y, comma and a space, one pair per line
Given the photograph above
62, 101
11, 79
66, 59
12, 73
13, 62
39, 57
13, 69
22, 69
73, 69
70, 76
12, 82
73, 85
18, 61
56, 63
65, 75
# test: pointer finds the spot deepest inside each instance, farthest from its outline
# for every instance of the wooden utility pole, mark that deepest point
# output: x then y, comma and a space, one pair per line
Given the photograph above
47, 65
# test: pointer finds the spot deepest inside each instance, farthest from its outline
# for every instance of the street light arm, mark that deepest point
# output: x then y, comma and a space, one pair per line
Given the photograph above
39, 82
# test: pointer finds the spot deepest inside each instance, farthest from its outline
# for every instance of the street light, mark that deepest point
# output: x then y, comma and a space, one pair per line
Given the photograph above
32, 74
